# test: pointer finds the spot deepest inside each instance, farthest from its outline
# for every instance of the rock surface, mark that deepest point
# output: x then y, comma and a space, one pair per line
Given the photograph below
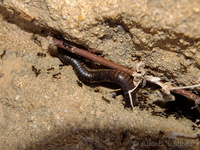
46, 112
122, 29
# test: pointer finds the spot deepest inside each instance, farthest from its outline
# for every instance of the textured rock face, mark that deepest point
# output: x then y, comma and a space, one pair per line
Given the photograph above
51, 112
72, 17
123, 29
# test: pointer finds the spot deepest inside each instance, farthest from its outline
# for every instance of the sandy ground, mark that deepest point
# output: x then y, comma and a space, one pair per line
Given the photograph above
42, 106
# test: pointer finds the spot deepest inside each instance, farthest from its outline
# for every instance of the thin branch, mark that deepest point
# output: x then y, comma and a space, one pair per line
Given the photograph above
110, 64
91, 56
186, 87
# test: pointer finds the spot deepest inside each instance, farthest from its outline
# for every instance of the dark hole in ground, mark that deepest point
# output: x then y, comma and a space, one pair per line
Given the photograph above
182, 107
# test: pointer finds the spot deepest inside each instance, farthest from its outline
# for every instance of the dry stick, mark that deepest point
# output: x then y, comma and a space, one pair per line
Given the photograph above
110, 64
91, 56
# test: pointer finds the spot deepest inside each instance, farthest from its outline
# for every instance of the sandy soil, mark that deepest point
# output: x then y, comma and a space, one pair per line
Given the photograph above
42, 106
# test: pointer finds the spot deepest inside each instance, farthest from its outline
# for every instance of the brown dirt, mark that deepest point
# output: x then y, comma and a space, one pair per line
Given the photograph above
44, 112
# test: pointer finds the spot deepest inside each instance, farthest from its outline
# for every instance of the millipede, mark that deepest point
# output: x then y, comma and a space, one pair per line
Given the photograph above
88, 75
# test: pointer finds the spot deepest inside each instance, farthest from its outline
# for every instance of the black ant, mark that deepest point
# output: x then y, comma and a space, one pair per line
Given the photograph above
37, 71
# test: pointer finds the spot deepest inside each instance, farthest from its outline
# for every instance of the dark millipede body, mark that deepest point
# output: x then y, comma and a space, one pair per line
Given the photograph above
101, 75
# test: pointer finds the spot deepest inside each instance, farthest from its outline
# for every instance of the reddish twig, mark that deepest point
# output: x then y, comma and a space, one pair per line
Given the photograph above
91, 56
110, 64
